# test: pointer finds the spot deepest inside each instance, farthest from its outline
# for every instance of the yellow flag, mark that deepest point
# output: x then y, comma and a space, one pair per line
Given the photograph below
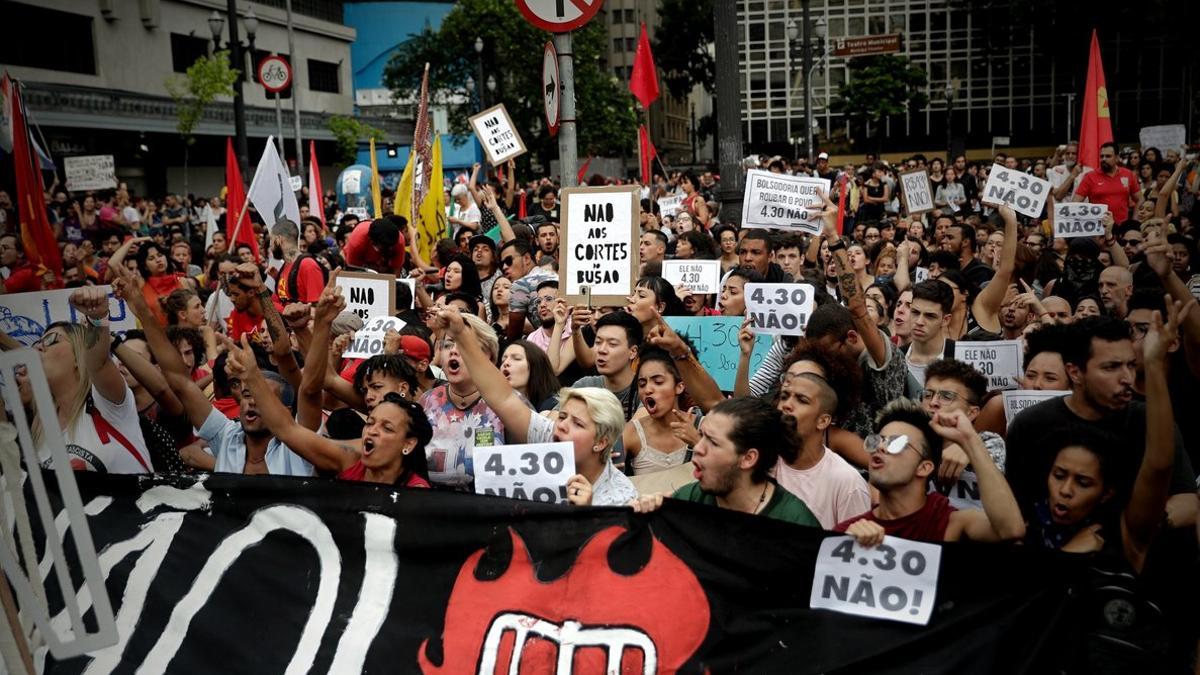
376, 197
432, 227
402, 202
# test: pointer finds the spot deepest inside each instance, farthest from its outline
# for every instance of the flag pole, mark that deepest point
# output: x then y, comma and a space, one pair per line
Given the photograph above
245, 205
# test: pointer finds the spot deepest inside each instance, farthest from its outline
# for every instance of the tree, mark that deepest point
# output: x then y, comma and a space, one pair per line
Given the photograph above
347, 132
880, 86
205, 80
606, 121
681, 51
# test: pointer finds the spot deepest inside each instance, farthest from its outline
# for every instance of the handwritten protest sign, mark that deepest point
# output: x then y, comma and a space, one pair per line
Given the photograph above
668, 207
1164, 137
776, 200
1017, 400
779, 309
918, 195
600, 223
999, 361
1079, 219
963, 492
716, 341
497, 135
368, 294
1025, 193
368, 341
93, 172
896, 580
24, 316
535, 472
700, 276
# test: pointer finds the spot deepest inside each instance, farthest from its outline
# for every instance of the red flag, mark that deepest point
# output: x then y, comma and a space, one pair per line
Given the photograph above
522, 209
647, 151
583, 171
37, 237
316, 200
643, 81
1096, 127
841, 216
235, 200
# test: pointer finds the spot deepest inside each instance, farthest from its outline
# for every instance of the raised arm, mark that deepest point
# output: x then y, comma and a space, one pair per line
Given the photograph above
852, 294
92, 302
1001, 518
746, 338
986, 307
506, 232
329, 305
1158, 257
902, 278
118, 257
510, 185
581, 316
699, 384
151, 378
561, 352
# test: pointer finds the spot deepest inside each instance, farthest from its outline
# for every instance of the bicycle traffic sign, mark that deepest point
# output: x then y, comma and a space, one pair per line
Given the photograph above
274, 73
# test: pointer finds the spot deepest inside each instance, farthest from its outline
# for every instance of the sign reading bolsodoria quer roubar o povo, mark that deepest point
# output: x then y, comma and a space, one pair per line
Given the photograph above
598, 258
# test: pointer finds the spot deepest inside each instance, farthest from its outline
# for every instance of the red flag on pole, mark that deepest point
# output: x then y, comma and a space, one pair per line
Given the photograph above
647, 151
583, 171
1096, 127
235, 201
37, 237
643, 82
316, 200
522, 208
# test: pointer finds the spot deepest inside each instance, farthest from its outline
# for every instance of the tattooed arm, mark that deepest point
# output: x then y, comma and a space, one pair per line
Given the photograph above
852, 294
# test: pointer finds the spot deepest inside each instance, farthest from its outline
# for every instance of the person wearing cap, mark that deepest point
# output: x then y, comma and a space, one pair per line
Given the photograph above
822, 168
378, 245
483, 255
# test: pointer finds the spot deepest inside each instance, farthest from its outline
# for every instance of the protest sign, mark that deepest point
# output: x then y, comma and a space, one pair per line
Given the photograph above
535, 472
716, 341
93, 172
963, 492
669, 206
998, 360
920, 274
24, 316
368, 294
412, 291
1079, 219
700, 276
1025, 193
896, 580
776, 200
779, 309
1164, 137
599, 258
497, 135
359, 212
368, 341
1017, 400
916, 190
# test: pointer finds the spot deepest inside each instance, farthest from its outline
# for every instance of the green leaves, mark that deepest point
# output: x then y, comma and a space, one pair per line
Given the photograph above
880, 86
347, 132
205, 80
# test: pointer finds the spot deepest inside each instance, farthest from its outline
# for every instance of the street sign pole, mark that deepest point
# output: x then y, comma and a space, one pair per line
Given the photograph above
279, 127
568, 154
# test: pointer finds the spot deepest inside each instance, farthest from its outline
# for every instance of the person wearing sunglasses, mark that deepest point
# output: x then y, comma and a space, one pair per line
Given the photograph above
906, 450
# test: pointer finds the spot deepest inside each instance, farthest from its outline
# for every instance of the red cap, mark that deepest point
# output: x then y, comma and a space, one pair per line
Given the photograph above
415, 348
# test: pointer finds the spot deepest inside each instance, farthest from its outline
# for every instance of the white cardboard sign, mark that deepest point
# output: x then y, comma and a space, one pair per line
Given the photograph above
599, 257
1079, 219
497, 135
368, 294
1017, 400
368, 341
1025, 193
918, 195
896, 580
93, 172
779, 309
700, 276
24, 316
1164, 137
669, 206
780, 201
535, 472
998, 360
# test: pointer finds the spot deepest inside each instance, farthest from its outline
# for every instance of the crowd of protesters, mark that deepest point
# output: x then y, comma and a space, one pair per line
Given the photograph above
238, 365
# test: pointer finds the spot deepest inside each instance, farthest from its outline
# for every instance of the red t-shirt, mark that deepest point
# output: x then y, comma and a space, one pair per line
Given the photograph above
358, 251
926, 524
1113, 191
23, 279
310, 281
357, 472
240, 323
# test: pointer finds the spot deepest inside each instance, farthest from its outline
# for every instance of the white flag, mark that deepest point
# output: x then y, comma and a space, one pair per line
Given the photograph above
271, 190
210, 224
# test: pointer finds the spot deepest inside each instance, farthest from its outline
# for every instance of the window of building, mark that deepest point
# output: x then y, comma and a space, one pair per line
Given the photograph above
185, 50
630, 17
630, 44
34, 29
323, 76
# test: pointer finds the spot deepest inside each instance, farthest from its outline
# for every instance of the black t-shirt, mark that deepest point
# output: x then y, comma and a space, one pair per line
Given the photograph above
1029, 457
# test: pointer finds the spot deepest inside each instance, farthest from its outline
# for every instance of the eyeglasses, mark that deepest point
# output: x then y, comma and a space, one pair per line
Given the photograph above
944, 395
892, 445
48, 340
507, 261
1131, 241
1139, 328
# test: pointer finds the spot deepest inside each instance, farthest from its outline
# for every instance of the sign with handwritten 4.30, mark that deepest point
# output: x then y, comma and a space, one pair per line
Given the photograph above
896, 580
716, 341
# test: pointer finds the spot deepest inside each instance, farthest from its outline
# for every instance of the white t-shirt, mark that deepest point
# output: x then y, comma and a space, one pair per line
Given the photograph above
471, 214
108, 442
132, 217
832, 489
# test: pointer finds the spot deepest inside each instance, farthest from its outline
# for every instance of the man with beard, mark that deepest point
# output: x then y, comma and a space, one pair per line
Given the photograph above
483, 255
1102, 366
547, 239
301, 279
831, 488
1112, 185
739, 444
906, 450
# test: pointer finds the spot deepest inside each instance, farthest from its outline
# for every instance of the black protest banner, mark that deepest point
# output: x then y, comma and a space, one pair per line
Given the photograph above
269, 575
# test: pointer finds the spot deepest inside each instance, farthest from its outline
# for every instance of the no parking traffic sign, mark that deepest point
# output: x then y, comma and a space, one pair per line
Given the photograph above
559, 16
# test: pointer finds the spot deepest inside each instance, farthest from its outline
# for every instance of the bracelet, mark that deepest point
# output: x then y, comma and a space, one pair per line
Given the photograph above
837, 245
96, 323
684, 357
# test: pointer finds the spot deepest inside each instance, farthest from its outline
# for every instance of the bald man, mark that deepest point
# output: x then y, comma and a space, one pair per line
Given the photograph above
1116, 287
1058, 308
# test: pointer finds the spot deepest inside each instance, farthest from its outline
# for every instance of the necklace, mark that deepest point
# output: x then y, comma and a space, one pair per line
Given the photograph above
466, 401
762, 499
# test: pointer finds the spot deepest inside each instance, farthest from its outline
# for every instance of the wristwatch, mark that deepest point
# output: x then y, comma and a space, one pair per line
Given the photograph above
837, 245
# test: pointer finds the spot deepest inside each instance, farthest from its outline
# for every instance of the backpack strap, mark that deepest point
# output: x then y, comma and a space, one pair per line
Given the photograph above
107, 432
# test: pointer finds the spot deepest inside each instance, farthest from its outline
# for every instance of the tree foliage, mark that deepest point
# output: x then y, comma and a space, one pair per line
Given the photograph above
347, 132
681, 46
880, 86
512, 53
205, 80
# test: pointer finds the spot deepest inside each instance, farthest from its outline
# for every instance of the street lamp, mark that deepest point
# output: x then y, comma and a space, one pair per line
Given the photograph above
216, 24
805, 41
949, 92
479, 60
